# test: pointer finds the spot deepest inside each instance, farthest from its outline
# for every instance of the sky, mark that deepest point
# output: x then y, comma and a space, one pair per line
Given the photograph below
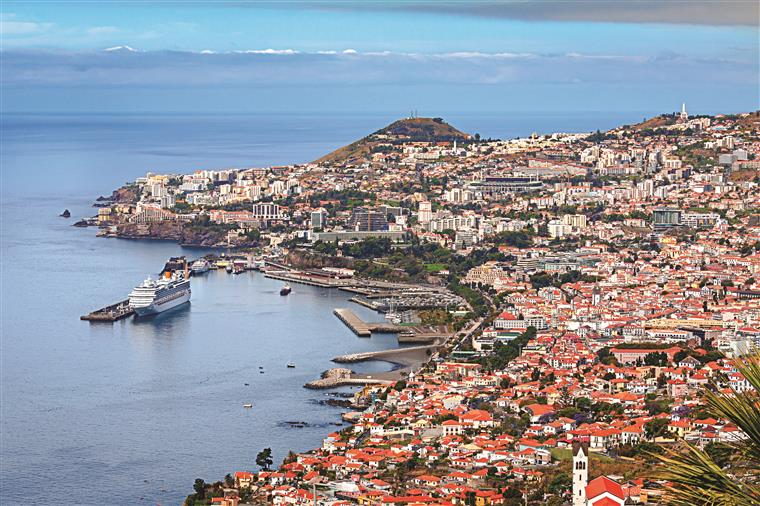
354, 56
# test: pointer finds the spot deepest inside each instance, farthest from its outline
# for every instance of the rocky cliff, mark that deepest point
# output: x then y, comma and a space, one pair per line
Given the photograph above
181, 232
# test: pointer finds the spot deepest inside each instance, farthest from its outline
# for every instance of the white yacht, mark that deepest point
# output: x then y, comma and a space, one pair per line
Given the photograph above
155, 296
200, 266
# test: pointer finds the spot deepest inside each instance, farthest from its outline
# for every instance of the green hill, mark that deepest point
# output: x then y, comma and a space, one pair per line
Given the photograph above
404, 130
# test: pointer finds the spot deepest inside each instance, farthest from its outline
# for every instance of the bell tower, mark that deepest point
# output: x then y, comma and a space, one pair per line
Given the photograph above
580, 473
596, 296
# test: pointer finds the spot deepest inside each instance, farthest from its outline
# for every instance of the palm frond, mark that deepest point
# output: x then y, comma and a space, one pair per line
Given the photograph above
741, 409
696, 480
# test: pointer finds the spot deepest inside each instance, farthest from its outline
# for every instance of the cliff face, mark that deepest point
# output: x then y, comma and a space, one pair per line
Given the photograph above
177, 231
124, 195
305, 260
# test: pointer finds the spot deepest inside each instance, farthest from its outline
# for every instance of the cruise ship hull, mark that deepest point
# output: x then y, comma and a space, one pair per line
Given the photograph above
156, 308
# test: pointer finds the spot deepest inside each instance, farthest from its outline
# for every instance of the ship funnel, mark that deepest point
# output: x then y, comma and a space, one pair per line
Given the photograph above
167, 274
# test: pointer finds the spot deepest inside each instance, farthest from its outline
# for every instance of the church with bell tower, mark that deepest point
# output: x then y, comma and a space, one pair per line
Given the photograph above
601, 491
580, 473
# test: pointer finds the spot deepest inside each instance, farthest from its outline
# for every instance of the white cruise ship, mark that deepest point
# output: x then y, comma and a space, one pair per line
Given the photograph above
154, 296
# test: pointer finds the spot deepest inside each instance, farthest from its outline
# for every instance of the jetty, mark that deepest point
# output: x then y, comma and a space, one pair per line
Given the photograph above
339, 377
110, 313
303, 278
362, 328
396, 355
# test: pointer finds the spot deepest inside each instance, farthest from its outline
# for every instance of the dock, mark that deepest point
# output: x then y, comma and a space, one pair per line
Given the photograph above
304, 279
362, 328
110, 313
396, 355
339, 377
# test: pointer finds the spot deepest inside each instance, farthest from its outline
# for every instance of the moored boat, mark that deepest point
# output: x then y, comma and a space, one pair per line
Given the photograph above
200, 266
285, 290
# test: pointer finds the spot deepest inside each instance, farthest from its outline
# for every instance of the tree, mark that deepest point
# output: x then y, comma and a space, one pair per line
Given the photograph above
229, 481
656, 427
559, 484
695, 476
264, 459
656, 358
200, 488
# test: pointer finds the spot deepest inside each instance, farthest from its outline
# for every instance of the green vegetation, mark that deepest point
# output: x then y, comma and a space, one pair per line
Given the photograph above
505, 353
371, 247
566, 454
543, 279
264, 459
346, 198
521, 239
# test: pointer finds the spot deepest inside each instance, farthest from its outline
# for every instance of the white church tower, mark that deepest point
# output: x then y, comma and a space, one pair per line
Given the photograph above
580, 473
684, 115
596, 296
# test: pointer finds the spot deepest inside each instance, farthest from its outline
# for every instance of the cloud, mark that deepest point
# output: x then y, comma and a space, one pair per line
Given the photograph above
123, 66
698, 12
269, 51
10, 26
102, 30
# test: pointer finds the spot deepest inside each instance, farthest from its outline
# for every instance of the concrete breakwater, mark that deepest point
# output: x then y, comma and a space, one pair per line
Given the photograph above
362, 328
403, 356
340, 376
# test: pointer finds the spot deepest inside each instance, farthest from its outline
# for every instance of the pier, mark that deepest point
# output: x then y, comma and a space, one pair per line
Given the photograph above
304, 279
362, 328
396, 355
339, 377
110, 313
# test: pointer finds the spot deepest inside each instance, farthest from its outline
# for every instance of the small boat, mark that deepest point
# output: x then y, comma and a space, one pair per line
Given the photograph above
229, 268
248, 406
261, 372
246, 384
285, 290
291, 365
238, 269
261, 367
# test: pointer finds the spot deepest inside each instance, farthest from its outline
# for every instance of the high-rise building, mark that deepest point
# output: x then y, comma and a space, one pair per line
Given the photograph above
318, 218
267, 211
665, 217
425, 213
367, 220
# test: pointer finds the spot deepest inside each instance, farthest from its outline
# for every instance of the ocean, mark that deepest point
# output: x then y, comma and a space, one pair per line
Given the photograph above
133, 412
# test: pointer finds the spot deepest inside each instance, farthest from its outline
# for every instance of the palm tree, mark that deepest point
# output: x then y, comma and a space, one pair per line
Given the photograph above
696, 479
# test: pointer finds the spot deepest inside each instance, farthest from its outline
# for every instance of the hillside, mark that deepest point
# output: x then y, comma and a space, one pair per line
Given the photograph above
655, 122
404, 130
